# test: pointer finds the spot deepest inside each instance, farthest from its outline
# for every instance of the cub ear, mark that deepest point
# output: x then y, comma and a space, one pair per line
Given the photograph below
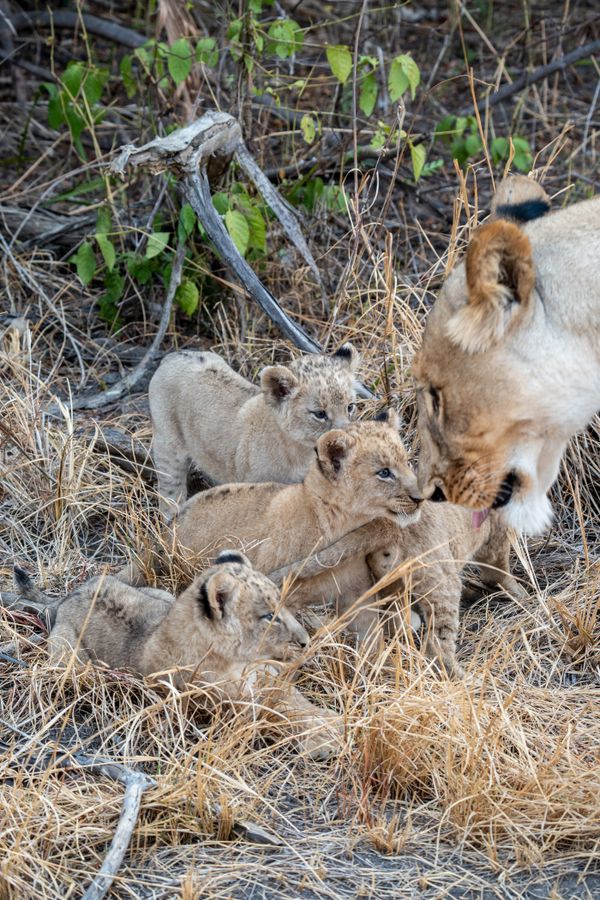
390, 416
232, 556
332, 449
277, 383
348, 355
216, 594
500, 280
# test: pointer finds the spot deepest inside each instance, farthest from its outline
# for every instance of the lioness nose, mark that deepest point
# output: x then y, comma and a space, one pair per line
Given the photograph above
438, 495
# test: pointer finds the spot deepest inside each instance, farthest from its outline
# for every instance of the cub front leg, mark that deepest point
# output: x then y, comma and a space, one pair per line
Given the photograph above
317, 731
437, 592
493, 561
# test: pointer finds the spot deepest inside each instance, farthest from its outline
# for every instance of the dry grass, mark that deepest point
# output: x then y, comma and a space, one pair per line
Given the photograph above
485, 787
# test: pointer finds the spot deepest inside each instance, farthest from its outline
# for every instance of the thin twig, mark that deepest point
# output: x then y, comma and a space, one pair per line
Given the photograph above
126, 384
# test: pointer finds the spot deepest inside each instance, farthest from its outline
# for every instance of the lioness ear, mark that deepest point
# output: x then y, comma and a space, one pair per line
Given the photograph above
500, 279
348, 355
216, 594
332, 449
278, 383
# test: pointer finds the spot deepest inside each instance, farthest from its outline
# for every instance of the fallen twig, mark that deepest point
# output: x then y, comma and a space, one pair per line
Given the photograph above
538, 74
95, 401
68, 18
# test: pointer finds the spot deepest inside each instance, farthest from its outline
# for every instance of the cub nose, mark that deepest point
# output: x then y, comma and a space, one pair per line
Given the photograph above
438, 495
416, 500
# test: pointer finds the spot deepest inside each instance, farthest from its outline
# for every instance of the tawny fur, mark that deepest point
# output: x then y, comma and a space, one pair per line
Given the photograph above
490, 410
219, 634
204, 412
276, 523
437, 547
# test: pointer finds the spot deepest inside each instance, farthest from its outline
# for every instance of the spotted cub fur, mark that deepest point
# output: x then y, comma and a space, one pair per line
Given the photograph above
233, 431
224, 633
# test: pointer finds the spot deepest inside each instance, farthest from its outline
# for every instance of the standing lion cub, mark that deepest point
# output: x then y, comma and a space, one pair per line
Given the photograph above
204, 412
222, 633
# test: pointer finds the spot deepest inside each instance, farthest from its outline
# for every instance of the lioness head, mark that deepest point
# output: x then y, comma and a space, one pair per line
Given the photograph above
487, 415
313, 394
365, 470
244, 609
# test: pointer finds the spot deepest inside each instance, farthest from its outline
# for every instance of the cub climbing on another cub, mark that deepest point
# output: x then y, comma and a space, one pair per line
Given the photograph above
222, 633
204, 412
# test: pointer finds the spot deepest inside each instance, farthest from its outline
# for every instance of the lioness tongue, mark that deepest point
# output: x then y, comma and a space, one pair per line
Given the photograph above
478, 517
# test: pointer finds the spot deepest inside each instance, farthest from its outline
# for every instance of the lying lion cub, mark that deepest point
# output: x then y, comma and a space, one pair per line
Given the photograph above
228, 620
202, 411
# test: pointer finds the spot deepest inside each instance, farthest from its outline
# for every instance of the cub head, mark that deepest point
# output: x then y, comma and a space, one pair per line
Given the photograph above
364, 469
487, 422
313, 394
244, 610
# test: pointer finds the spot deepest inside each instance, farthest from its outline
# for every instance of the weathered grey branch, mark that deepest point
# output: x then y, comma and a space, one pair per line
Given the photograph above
557, 65
68, 18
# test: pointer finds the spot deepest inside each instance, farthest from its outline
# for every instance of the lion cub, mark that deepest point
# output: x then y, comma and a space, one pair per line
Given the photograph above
357, 474
230, 619
433, 553
204, 412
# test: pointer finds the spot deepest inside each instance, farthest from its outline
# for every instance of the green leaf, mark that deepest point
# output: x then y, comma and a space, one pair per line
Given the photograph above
207, 52
411, 71
238, 229
220, 202
157, 242
93, 85
522, 159
127, 76
56, 112
73, 77
397, 80
103, 221
500, 149
286, 38
107, 250
179, 61
308, 127
187, 217
187, 297
114, 284
340, 62
140, 268
417, 155
85, 260
473, 144
367, 97
257, 228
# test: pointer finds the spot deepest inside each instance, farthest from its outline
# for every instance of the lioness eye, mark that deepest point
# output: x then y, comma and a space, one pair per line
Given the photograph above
385, 475
351, 408
435, 399
319, 414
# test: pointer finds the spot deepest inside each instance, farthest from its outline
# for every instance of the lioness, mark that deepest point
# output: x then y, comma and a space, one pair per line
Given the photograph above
214, 634
509, 368
204, 412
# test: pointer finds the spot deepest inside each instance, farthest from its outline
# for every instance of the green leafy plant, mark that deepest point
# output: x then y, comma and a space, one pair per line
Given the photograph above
461, 133
75, 101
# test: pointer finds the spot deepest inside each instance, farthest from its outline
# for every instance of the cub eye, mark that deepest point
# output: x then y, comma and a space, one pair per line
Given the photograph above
386, 475
319, 414
351, 409
271, 617
435, 399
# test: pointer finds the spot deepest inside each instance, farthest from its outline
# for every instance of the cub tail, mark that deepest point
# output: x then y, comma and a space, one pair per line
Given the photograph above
32, 598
